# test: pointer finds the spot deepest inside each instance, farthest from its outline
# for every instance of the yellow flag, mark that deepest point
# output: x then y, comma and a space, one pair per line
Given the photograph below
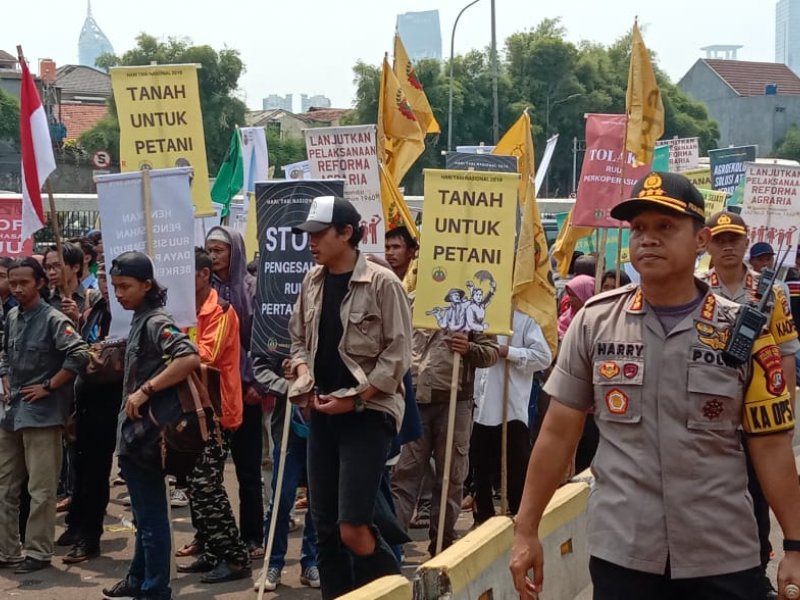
534, 290
407, 76
642, 103
400, 138
564, 246
395, 209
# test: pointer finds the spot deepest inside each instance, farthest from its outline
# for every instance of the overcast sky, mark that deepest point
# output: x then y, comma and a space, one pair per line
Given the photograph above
310, 46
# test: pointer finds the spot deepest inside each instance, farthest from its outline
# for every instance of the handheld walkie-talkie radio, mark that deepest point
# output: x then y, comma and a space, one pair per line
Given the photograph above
750, 322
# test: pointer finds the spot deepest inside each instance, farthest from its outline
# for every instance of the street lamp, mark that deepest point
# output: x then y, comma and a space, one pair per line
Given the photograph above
547, 129
450, 101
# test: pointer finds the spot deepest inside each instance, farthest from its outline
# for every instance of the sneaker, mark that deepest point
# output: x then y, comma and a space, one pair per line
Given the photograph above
122, 590
178, 498
272, 581
310, 577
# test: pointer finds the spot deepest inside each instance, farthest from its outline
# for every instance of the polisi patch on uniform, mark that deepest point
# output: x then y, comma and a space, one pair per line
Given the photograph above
712, 409
630, 370
619, 349
609, 370
617, 401
711, 336
706, 356
708, 307
169, 331
769, 358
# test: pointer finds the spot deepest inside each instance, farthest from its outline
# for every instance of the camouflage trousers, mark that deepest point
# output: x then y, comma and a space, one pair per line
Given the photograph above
212, 516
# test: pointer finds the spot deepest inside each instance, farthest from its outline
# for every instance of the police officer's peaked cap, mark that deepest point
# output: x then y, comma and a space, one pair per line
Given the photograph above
657, 189
133, 264
725, 221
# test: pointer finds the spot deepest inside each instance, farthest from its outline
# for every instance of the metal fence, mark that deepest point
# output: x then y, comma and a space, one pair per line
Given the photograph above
73, 223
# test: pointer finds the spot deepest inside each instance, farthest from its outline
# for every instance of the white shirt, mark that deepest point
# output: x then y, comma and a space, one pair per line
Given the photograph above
528, 352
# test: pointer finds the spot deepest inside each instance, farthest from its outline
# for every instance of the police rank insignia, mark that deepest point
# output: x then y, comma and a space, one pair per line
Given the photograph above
711, 336
712, 409
617, 402
609, 370
637, 302
708, 308
652, 186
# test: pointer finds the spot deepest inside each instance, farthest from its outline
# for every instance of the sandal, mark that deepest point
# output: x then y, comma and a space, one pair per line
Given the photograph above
190, 549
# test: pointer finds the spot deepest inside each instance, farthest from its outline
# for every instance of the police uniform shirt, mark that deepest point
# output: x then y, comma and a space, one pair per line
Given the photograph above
781, 324
39, 343
671, 483
153, 340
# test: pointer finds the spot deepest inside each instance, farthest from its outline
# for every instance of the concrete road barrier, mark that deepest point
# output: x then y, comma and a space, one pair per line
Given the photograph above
393, 587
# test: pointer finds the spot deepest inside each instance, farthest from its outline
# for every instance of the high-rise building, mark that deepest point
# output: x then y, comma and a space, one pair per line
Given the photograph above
92, 41
317, 101
274, 101
421, 34
787, 34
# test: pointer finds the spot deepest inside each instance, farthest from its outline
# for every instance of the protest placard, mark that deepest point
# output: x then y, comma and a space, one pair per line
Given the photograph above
700, 177
350, 153
605, 181
297, 170
466, 257
727, 166
161, 124
466, 161
771, 207
11, 242
714, 200
284, 257
684, 153
122, 220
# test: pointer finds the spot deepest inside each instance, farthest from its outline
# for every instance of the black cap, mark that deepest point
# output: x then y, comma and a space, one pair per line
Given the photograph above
132, 264
725, 221
658, 189
326, 211
761, 249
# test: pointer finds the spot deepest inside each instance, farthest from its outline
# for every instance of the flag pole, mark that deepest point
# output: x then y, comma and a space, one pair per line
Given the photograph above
448, 451
147, 201
504, 441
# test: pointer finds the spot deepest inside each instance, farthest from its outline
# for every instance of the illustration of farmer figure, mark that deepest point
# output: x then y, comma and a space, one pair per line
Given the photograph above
466, 311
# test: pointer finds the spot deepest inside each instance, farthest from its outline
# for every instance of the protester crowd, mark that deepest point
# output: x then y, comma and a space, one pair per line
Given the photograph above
367, 395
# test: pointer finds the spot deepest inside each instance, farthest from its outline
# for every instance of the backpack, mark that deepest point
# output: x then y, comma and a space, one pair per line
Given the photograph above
175, 424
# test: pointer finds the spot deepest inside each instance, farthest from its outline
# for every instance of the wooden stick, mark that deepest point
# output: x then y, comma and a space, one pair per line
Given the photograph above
448, 450
173, 568
619, 255
504, 442
601, 261
56, 227
276, 499
147, 201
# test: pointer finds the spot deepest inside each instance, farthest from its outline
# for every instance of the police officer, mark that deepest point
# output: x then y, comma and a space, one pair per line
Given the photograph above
670, 516
732, 279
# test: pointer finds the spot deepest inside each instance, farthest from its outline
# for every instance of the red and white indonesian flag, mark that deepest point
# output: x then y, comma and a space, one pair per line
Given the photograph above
37, 153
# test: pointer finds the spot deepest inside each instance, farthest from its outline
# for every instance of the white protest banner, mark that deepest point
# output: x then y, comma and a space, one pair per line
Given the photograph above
771, 207
122, 221
544, 165
475, 149
684, 153
255, 157
298, 170
350, 153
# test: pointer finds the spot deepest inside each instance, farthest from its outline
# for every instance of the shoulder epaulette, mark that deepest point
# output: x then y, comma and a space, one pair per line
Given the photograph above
616, 292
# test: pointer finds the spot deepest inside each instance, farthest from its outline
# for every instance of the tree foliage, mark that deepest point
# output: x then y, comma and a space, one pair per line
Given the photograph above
789, 146
9, 117
540, 69
218, 79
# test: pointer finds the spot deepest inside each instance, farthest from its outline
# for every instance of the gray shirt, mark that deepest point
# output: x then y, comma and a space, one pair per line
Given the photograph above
671, 482
39, 343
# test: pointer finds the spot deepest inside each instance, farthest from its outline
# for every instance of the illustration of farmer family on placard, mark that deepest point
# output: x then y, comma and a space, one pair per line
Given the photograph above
466, 310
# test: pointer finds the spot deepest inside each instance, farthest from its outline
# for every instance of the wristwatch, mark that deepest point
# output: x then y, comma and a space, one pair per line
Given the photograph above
46, 386
791, 545
359, 404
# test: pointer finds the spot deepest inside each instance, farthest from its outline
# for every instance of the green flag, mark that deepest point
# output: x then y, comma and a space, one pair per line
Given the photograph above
230, 178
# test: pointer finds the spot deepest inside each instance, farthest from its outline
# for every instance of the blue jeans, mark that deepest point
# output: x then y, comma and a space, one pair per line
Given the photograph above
293, 473
346, 457
149, 567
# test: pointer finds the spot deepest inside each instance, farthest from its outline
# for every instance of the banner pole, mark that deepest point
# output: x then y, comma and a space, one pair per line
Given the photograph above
276, 499
504, 443
147, 200
56, 227
448, 450
601, 260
